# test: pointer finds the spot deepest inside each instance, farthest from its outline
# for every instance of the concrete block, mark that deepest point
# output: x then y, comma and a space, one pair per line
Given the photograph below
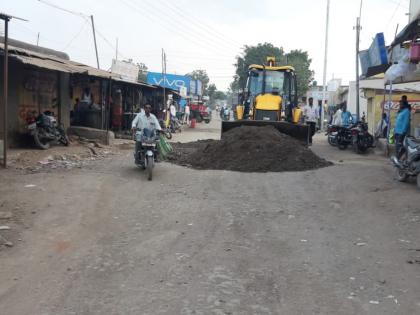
92, 134
383, 146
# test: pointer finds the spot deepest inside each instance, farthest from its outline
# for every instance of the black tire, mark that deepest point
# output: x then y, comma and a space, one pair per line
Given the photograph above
207, 121
418, 181
149, 167
342, 146
332, 143
356, 145
199, 118
402, 176
65, 140
39, 143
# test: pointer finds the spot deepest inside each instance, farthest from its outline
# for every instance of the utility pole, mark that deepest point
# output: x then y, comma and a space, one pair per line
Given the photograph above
164, 77
6, 18
94, 40
324, 94
358, 27
116, 50
37, 40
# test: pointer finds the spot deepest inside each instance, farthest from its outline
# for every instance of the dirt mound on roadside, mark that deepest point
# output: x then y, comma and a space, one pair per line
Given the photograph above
248, 149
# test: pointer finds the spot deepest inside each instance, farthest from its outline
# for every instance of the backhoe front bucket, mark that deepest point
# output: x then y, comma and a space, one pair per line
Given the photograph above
299, 132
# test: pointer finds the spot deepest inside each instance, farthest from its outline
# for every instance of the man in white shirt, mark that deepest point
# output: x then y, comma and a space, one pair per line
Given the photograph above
140, 123
187, 114
337, 120
311, 114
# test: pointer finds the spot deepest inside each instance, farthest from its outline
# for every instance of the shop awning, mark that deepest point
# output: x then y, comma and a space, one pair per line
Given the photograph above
410, 32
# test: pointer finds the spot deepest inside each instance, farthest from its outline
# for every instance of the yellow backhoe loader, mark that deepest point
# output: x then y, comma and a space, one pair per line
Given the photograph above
270, 98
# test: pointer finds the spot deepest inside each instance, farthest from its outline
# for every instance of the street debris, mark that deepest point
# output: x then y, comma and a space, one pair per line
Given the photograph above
30, 186
5, 215
248, 149
4, 227
374, 302
360, 244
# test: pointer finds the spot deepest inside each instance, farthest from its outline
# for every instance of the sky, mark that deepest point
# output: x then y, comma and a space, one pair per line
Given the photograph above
199, 34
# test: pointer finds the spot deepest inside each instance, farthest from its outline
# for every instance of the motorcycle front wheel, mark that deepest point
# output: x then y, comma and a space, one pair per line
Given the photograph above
149, 167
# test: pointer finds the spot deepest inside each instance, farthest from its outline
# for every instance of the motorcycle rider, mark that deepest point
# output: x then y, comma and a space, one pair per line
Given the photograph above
402, 125
144, 121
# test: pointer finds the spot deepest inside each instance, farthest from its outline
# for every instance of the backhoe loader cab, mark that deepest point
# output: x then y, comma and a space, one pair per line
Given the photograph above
271, 93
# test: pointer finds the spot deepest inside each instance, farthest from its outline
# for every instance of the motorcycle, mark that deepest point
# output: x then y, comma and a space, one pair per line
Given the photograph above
344, 137
362, 140
45, 130
356, 135
409, 163
331, 134
165, 130
146, 150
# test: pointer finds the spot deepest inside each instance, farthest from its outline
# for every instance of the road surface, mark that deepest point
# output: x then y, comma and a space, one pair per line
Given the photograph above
103, 240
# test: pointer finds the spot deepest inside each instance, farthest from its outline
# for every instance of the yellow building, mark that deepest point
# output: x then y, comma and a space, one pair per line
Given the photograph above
378, 101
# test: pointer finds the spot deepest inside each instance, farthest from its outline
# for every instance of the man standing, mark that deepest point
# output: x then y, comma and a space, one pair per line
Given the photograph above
402, 125
311, 114
140, 123
345, 116
187, 114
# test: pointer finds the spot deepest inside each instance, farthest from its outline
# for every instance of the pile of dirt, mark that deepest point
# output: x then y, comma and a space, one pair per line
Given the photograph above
248, 149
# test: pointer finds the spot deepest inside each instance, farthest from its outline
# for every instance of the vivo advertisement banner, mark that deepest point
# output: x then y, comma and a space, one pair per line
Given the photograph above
172, 81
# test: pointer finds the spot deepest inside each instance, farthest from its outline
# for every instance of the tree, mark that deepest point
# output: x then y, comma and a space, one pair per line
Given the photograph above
258, 55
254, 55
142, 77
203, 77
300, 61
220, 95
211, 90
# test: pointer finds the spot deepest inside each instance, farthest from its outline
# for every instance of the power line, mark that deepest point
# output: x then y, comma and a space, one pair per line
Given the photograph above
63, 9
200, 23
76, 35
175, 28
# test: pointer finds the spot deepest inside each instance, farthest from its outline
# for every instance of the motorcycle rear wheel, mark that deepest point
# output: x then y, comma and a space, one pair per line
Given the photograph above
42, 145
342, 146
402, 176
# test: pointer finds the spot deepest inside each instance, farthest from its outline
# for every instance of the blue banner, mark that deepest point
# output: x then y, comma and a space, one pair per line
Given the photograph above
172, 81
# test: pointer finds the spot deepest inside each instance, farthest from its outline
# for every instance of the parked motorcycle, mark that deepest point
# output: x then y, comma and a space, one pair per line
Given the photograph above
362, 140
356, 135
146, 152
409, 163
165, 130
331, 134
45, 130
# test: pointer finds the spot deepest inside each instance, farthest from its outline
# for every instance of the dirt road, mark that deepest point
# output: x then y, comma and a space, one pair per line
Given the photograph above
102, 240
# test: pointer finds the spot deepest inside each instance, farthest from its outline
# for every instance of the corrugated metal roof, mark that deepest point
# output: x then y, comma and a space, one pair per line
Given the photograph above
57, 64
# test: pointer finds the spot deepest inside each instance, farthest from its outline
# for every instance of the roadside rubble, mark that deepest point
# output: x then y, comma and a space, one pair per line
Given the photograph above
80, 153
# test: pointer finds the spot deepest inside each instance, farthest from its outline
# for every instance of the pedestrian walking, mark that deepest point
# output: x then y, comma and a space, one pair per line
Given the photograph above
311, 114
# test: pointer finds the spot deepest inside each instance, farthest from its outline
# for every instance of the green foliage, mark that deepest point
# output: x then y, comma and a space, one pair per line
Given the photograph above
300, 61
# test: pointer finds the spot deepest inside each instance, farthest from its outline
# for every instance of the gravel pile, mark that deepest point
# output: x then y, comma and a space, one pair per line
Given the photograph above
248, 149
